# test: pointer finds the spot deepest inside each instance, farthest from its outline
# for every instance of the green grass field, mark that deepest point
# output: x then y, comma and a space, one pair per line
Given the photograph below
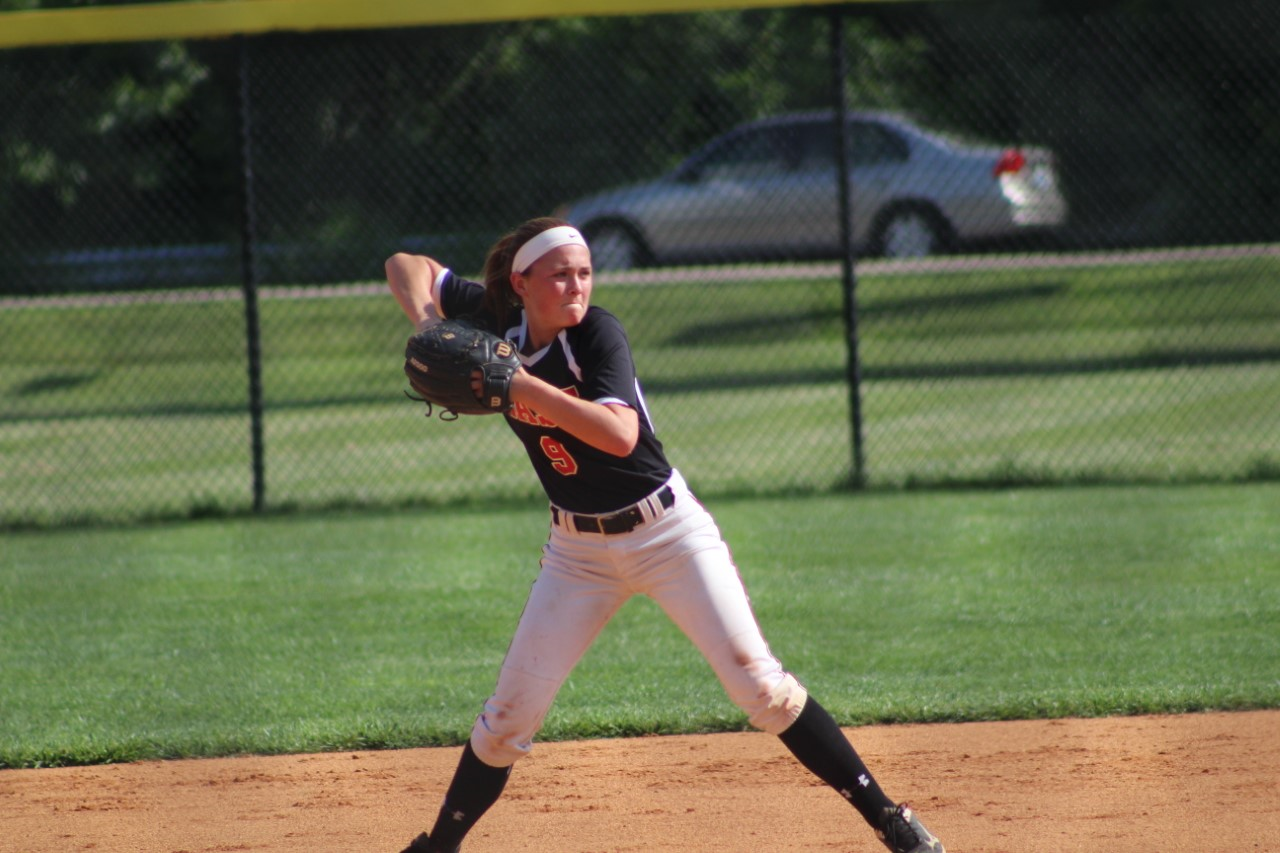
367, 630
384, 626
1012, 375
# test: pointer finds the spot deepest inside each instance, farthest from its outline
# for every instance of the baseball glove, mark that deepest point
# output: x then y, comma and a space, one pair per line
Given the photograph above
441, 359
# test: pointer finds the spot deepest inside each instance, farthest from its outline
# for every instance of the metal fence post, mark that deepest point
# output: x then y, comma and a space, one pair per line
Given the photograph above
848, 253
249, 279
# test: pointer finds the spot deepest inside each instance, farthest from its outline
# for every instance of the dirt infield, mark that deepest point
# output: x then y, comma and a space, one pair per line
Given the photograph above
1208, 783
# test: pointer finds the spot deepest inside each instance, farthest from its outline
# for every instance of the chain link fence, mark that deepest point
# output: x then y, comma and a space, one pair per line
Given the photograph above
1081, 283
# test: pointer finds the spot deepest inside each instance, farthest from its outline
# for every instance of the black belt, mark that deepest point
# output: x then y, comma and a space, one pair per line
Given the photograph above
622, 521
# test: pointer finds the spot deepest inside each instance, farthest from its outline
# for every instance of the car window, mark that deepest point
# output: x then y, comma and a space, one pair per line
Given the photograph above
750, 154
873, 144
869, 144
816, 144
758, 152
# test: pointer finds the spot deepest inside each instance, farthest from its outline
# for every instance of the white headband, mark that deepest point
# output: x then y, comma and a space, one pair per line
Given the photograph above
552, 238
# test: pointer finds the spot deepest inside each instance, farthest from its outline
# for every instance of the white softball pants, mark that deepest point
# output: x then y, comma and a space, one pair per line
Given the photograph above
678, 558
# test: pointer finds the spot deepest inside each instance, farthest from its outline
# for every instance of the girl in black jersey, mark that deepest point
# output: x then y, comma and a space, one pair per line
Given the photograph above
622, 521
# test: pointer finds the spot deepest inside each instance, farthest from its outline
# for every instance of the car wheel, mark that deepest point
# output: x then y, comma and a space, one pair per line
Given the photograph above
912, 233
615, 246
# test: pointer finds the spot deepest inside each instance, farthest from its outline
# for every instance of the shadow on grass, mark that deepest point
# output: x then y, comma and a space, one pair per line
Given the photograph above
781, 326
782, 377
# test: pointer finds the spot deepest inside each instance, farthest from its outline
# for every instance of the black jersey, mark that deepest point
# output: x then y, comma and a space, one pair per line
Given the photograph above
591, 360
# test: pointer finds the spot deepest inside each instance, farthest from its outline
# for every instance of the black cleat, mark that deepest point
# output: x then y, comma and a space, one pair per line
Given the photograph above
422, 844
902, 832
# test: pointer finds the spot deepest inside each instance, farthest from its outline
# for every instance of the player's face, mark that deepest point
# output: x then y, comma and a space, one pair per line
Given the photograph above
556, 290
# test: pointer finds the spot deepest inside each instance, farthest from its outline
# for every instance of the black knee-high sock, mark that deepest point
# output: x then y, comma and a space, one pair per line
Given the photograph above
816, 740
475, 787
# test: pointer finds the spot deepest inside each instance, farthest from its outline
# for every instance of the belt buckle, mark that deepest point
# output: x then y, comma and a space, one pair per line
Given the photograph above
584, 523
589, 523
622, 521
629, 519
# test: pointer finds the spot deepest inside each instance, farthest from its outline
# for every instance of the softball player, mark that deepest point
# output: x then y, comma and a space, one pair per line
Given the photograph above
623, 522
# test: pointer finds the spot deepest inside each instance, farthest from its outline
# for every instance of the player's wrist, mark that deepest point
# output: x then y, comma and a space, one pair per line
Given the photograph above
524, 386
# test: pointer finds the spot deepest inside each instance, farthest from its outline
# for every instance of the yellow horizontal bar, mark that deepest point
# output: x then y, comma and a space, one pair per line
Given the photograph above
221, 18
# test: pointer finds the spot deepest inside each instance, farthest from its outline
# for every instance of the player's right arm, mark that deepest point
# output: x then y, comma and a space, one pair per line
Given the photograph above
412, 279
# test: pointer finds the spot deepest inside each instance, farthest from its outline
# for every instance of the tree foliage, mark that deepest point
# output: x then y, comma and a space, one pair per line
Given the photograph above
1163, 114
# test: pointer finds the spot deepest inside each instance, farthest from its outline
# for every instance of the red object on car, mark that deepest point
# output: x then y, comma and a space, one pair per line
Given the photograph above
1010, 163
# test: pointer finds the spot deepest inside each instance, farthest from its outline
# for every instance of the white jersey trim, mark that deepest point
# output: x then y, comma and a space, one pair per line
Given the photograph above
568, 355
435, 289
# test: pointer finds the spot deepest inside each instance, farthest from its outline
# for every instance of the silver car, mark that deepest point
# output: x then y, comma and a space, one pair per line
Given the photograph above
768, 189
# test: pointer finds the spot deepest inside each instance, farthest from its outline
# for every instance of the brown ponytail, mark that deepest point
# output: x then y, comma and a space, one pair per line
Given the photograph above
499, 298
